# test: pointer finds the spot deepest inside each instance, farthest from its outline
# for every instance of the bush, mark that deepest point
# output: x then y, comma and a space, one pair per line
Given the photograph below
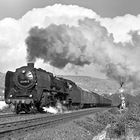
114, 111
130, 119
120, 123
93, 128
105, 118
117, 130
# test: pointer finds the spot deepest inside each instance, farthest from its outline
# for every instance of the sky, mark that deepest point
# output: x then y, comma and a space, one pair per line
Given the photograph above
105, 8
97, 38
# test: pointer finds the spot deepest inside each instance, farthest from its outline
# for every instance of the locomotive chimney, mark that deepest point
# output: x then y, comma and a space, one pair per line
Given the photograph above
31, 65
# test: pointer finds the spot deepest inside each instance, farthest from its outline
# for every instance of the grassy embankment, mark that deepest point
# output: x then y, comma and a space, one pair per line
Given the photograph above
122, 124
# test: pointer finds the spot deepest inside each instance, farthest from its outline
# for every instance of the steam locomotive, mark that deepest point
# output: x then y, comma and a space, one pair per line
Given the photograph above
30, 89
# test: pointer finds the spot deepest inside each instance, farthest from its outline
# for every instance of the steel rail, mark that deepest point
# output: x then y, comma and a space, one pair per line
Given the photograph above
9, 115
6, 115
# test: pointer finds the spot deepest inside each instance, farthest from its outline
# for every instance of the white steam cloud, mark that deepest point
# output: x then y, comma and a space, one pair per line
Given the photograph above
3, 105
66, 35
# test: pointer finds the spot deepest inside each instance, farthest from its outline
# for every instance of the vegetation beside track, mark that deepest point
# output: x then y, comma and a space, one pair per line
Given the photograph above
122, 124
126, 123
96, 123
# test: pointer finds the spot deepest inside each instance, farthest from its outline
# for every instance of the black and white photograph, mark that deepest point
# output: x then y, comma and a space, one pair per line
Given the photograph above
69, 70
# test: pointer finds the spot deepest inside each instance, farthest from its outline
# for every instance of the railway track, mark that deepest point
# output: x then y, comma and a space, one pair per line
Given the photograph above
12, 115
9, 115
6, 115
10, 128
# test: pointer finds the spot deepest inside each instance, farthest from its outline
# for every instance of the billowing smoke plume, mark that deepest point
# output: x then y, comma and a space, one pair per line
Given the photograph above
87, 43
57, 45
62, 44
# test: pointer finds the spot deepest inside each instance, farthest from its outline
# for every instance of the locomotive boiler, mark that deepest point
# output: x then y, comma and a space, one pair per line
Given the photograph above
30, 89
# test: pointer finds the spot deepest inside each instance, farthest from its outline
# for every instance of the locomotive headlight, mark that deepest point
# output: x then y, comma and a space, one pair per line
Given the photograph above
11, 95
30, 95
23, 71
